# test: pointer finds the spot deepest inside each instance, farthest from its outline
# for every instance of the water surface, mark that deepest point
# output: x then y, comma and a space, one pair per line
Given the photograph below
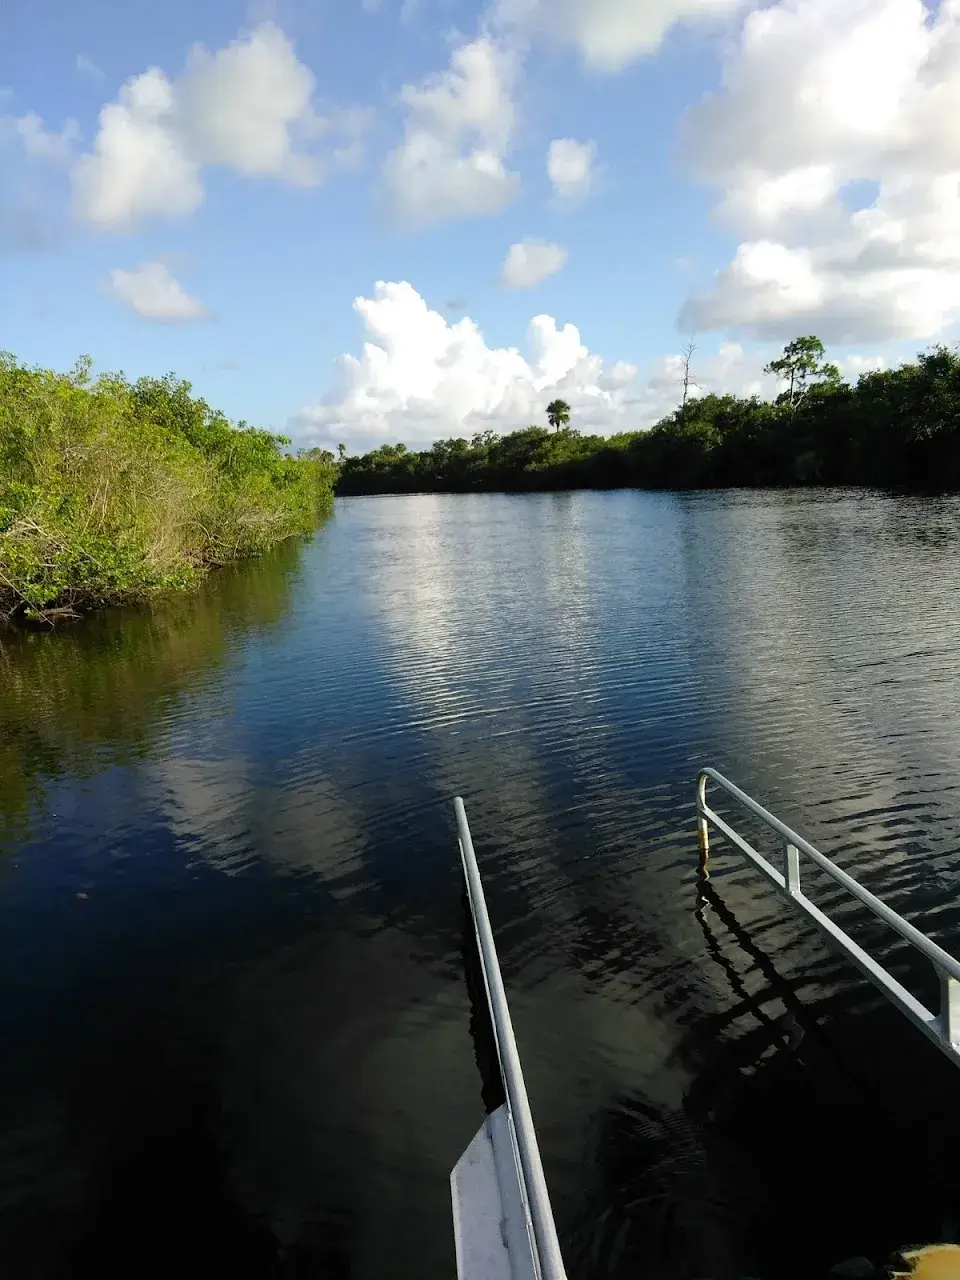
234, 1024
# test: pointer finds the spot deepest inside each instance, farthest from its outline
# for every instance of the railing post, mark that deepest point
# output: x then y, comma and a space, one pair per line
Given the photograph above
949, 1009
791, 868
702, 829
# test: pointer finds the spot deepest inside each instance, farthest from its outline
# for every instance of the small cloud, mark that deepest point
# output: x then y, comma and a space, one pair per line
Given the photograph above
155, 294
683, 264
571, 167
89, 69
40, 143
247, 106
457, 135
853, 366
530, 262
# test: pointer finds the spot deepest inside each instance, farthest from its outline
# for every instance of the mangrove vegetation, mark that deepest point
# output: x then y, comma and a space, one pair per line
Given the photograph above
112, 491
893, 428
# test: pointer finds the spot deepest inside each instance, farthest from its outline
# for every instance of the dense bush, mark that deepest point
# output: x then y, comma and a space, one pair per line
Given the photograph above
110, 490
899, 427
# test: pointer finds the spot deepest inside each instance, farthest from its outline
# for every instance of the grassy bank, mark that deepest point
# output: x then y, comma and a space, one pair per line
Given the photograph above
111, 491
894, 428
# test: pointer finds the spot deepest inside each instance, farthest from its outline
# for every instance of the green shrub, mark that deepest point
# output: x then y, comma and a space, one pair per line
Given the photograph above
111, 491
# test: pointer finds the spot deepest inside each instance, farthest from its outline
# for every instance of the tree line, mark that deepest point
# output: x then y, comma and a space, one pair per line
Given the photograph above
112, 490
892, 428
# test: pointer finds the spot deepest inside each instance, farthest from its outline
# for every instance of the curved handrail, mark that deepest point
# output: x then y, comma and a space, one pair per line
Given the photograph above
527, 1151
942, 1028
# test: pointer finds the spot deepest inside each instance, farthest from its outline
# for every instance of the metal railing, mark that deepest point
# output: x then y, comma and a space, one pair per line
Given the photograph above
943, 1027
533, 1184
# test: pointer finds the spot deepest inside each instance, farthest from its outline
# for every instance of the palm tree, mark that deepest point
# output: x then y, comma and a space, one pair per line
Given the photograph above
558, 413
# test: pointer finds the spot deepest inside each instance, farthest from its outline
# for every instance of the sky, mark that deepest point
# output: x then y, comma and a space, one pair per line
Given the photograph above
378, 220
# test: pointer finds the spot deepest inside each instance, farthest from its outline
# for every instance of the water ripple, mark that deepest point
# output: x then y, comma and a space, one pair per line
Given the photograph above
235, 852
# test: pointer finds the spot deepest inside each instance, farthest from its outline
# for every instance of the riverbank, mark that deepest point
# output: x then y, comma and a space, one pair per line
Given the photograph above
112, 491
895, 428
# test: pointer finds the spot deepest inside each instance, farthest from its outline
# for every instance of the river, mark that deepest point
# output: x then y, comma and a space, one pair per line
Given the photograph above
235, 1034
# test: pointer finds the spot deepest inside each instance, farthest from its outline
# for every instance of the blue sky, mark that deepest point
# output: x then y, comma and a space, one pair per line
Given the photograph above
217, 212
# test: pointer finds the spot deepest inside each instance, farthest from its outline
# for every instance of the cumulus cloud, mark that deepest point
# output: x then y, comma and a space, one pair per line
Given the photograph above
244, 106
38, 142
153, 293
139, 164
530, 261
610, 34
248, 106
570, 167
819, 98
420, 378
458, 129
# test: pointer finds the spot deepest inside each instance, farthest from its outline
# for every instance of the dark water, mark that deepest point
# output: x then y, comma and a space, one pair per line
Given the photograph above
234, 1027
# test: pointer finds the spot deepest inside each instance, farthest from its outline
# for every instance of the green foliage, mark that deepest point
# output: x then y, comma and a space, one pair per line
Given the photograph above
803, 366
558, 414
899, 427
111, 491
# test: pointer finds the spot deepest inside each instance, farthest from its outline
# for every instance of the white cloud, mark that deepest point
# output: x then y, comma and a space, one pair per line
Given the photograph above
818, 95
139, 165
853, 365
530, 261
570, 167
153, 293
40, 143
247, 106
88, 68
457, 133
610, 34
420, 378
